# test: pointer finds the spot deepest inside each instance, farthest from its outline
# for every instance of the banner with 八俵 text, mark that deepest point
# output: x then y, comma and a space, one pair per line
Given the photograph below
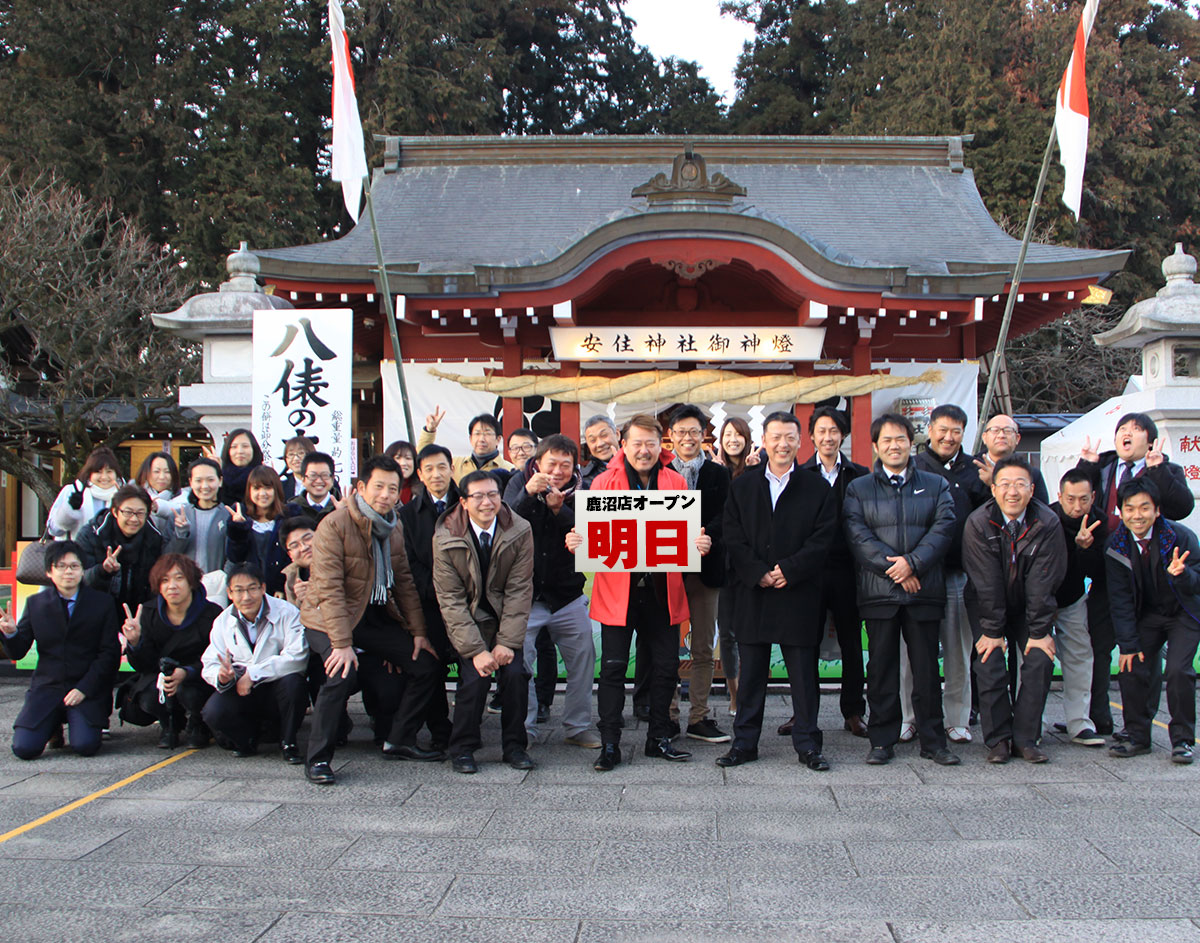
637, 531
302, 382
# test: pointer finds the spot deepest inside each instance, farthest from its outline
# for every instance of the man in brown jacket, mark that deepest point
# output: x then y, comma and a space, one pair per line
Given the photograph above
483, 577
361, 596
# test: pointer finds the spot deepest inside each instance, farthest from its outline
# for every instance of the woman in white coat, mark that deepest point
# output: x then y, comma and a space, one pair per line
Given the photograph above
81, 500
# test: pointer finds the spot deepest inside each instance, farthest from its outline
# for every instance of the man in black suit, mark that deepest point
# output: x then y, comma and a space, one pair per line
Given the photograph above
828, 428
78, 654
779, 526
899, 522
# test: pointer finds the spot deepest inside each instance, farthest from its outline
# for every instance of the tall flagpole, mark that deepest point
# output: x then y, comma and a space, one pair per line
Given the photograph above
1014, 286
389, 310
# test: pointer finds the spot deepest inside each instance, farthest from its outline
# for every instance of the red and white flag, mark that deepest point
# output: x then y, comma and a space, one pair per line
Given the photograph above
1071, 112
349, 153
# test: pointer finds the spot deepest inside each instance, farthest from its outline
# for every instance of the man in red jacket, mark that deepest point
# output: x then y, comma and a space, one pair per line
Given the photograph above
653, 604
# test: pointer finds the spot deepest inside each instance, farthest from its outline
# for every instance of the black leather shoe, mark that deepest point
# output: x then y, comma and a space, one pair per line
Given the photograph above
543, 713
610, 757
1125, 750
880, 756
942, 756
249, 748
519, 759
642, 712
321, 774
785, 729
291, 754
168, 738
464, 763
815, 761
410, 751
664, 749
196, 735
1121, 736
736, 757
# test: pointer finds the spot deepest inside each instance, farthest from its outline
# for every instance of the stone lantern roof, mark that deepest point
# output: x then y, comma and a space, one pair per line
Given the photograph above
1174, 310
228, 310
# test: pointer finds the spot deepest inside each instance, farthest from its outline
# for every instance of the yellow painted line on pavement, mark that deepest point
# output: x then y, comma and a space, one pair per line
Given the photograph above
1119, 707
72, 806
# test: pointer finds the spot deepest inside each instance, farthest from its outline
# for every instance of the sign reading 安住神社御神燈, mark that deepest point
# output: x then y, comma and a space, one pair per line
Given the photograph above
705, 345
302, 376
637, 531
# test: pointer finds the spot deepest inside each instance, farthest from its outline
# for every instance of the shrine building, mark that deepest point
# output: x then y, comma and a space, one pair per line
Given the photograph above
792, 265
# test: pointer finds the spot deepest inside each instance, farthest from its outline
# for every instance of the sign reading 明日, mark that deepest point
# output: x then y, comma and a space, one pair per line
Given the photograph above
301, 382
637, 531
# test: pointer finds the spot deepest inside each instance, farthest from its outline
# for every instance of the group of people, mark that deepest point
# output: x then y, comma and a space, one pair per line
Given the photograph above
249, 597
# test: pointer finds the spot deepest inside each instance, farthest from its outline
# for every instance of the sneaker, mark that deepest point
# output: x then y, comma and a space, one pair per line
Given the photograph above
958, 734
908, 733
585, 739
708, 731
1181, 753
494, 704
1087, 737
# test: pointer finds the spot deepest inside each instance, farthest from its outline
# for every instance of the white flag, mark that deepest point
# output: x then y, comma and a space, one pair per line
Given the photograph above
1071, 113
349, 153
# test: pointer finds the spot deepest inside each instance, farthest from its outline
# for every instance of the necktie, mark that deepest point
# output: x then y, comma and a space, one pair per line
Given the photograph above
1126, 473
897, 481
1014, 530
66, 606
485, 550
440, 505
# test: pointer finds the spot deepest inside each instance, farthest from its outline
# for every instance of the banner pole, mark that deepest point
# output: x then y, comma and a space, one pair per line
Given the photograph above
1010, 303
389, 312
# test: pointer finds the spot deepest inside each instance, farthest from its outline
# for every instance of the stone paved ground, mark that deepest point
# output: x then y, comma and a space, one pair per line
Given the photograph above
1084, 848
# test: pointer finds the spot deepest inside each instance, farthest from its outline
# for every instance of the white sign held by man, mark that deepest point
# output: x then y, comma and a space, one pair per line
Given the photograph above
301, 383
637, 531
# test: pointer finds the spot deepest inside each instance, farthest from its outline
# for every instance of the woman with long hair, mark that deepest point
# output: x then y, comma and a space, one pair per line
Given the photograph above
735, 453
252, 535
159, 478
404, 455
90, 493
240, 456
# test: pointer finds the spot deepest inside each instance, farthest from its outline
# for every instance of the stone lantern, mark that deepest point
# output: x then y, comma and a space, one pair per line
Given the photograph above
223, 320
1167, 329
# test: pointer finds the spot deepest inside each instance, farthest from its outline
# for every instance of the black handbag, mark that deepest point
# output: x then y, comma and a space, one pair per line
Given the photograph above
31, 567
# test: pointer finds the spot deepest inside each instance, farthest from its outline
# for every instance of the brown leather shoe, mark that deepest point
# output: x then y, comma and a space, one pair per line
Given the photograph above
856, 726
785, 729
1000, 752
1032, 754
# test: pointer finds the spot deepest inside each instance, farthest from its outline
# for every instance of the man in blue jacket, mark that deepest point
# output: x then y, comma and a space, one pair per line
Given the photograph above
1153, 570
899, 523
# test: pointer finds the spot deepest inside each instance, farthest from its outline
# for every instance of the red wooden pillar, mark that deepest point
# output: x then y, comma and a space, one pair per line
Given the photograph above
568, 413
803, 412
860, 422
514, 417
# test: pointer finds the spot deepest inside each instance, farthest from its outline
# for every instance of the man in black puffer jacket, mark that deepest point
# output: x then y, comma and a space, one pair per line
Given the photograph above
899, 522
1015, 556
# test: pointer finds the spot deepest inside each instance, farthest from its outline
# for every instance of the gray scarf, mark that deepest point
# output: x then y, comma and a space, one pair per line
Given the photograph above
381, 532
689, 470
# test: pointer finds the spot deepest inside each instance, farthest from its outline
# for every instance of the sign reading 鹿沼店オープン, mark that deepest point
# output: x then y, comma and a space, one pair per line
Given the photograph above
704, 345
637, 531
301, 383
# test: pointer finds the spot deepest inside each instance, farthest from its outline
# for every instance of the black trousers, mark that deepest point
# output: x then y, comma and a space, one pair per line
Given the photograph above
883, 679
1104, 640
28, 743
755, 673
1000, 715
839, 597
513, 684
649, 618
239, 718
546, 679
376, 634
1181, 636
184, 706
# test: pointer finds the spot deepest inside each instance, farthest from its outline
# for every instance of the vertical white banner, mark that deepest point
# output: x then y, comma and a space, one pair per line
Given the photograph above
302, 382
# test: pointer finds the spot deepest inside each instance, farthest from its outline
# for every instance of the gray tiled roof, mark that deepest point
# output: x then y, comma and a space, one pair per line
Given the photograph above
923, 216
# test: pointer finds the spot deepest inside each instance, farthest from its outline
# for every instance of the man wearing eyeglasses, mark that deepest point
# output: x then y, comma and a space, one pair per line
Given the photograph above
483, 577
1001, 436
315, 499
1015, 557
